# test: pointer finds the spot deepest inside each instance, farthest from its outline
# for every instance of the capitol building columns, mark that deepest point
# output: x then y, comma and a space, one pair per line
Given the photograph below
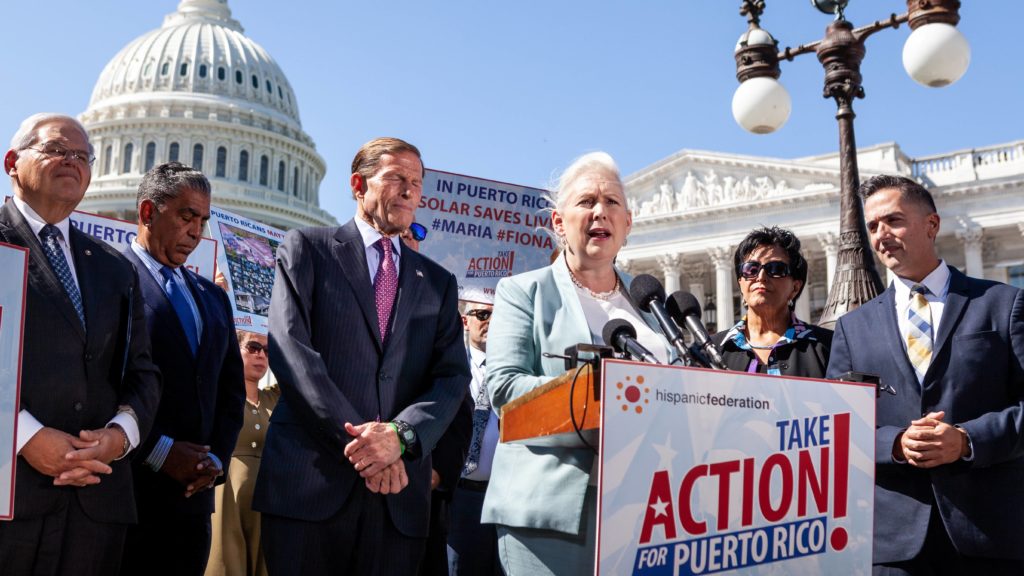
721, 259
830, 244
670, 268
972, 241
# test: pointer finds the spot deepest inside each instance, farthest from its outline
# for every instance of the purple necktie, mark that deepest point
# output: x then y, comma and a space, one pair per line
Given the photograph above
385, 284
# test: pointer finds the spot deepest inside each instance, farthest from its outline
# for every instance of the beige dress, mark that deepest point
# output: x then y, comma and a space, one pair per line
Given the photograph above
235, 549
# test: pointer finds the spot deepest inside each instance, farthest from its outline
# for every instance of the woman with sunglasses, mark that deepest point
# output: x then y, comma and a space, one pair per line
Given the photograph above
769, 338
235, 548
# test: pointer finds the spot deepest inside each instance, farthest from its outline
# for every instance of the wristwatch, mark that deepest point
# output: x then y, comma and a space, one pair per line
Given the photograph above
407, 436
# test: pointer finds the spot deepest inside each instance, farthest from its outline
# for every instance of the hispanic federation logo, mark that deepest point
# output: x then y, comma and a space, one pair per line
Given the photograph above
632, 394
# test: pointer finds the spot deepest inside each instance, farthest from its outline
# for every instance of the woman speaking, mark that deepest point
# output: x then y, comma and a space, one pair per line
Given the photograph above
543, 500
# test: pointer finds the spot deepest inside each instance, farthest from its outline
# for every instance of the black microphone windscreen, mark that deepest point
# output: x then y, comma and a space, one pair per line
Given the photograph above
682, 304
614, 328
644, 289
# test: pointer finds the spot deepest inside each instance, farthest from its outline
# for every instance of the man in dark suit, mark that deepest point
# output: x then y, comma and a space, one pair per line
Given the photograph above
195, 346
365, 342
949, 451
89, 390
472, 546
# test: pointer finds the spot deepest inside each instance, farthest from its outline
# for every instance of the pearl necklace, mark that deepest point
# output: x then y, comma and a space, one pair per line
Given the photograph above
595, 295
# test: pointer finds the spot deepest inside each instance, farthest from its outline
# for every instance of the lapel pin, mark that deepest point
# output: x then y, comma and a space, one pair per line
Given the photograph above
419, 273
88, 252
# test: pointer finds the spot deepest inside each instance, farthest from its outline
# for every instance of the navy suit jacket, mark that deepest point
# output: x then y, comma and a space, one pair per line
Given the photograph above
326, 351
203, 396
74, 378
977, 377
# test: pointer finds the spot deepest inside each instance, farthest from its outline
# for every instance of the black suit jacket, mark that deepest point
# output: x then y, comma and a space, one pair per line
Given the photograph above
806, 357
203, 396
977, 377
326, 351
74, 378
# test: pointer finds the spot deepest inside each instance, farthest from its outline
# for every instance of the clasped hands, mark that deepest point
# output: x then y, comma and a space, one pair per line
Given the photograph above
74, 460
929, 442
376, 454
191, 466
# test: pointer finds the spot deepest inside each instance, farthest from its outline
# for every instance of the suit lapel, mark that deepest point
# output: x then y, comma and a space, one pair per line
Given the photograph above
156, 299
953, 309
199, 296
410, 280
888, 325
40, 275
87, 275
573, 308
350, 254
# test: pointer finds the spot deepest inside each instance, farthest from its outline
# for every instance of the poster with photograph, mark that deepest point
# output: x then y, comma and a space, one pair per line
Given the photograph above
483, 230
13, 285
248, 249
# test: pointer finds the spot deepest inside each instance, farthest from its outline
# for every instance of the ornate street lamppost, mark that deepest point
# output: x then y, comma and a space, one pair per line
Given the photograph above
935, 54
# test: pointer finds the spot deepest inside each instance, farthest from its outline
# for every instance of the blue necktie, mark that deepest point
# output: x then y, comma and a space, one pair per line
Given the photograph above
181, 306
50, 236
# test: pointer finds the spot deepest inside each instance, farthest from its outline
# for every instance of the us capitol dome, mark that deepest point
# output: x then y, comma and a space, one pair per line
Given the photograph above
198, 91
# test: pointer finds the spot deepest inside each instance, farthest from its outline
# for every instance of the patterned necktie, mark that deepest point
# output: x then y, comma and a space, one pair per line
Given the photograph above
919, 333
481, 415
182, 308
385, 284
50, 236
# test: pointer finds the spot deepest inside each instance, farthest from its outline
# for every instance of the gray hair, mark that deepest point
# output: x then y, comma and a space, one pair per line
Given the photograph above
591, 162
28, 131
167, 181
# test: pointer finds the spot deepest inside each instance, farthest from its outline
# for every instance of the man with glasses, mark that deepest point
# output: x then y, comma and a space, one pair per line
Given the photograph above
89, 390
195, 346
365, 343
949, 445
472, 546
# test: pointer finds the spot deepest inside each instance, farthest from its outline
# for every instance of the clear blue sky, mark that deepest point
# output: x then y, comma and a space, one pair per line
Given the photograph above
514, 90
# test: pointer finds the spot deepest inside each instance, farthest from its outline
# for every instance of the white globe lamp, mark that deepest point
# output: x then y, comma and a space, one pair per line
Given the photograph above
936, 55
761, 105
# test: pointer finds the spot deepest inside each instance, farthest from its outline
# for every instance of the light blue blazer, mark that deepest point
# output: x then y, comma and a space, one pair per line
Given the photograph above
535, 312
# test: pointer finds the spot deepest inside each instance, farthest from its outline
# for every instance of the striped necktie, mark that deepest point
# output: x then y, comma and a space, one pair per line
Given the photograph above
51, 236
919, 333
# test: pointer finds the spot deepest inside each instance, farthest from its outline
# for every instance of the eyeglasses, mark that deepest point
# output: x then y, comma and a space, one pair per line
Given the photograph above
55, 150
480, 314
775, 269
418, 231
254, 347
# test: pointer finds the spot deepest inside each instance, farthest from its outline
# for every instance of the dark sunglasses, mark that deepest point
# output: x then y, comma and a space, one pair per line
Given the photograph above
775, 269
418, 231
481, 315
253, 347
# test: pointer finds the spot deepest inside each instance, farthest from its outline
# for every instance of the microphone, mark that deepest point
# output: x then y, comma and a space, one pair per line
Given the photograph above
648, 293
621, 335
685, 309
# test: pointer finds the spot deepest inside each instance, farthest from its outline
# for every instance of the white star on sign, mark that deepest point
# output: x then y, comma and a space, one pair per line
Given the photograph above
665, 454
660, 508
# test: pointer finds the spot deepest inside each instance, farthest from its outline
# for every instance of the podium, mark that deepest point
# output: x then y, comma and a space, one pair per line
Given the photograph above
704, 471
564, 412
